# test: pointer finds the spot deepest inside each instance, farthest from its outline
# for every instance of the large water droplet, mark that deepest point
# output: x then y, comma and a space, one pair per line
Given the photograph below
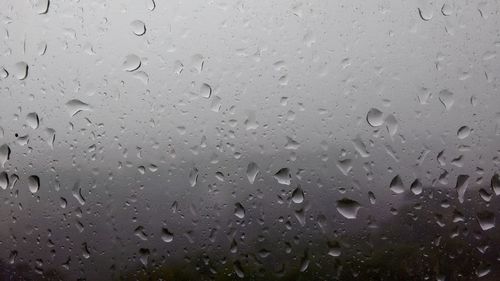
463, 132
4, 154
20, 70
32, 120
416, 187
138, 27
461, 187
283, 176
446, 9
425, 14
131, 62
239, 211
193, 176
150, 4
298, 195
33, 183
252, 171
144, 256
495, 184
345, 166
205, 90
446, 98
375, 117
348, 208
42, 6
486, 220
75, 106
166, 235
4, 180
396, 185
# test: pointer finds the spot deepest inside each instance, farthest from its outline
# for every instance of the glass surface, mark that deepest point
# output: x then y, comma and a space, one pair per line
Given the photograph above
253, 140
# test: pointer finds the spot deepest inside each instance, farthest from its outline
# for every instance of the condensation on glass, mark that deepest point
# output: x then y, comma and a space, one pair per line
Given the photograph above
255, 140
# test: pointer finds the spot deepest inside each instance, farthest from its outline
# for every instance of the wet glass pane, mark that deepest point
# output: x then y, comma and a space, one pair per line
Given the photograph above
249, 140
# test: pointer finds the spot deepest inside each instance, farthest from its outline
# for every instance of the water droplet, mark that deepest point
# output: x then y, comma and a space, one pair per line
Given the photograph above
334, 249
238, 269
33, 183
42, 6
446, 98
360, 147
495, 184
75, 106
345, 166
461, 187
151, 5
3, 73
131, 63
283, 176
205, 90
144, 256
416, 187
193, 176
51, 137
446, 9
392, 125
239, 211
298, 195
348, 208
20, 70
291, 144
166, 235
4, 154
375, 117
32, 120
138, 27
463, 132
371, 197
252, 171
425, 14
486, 220
4, 180
396, 185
